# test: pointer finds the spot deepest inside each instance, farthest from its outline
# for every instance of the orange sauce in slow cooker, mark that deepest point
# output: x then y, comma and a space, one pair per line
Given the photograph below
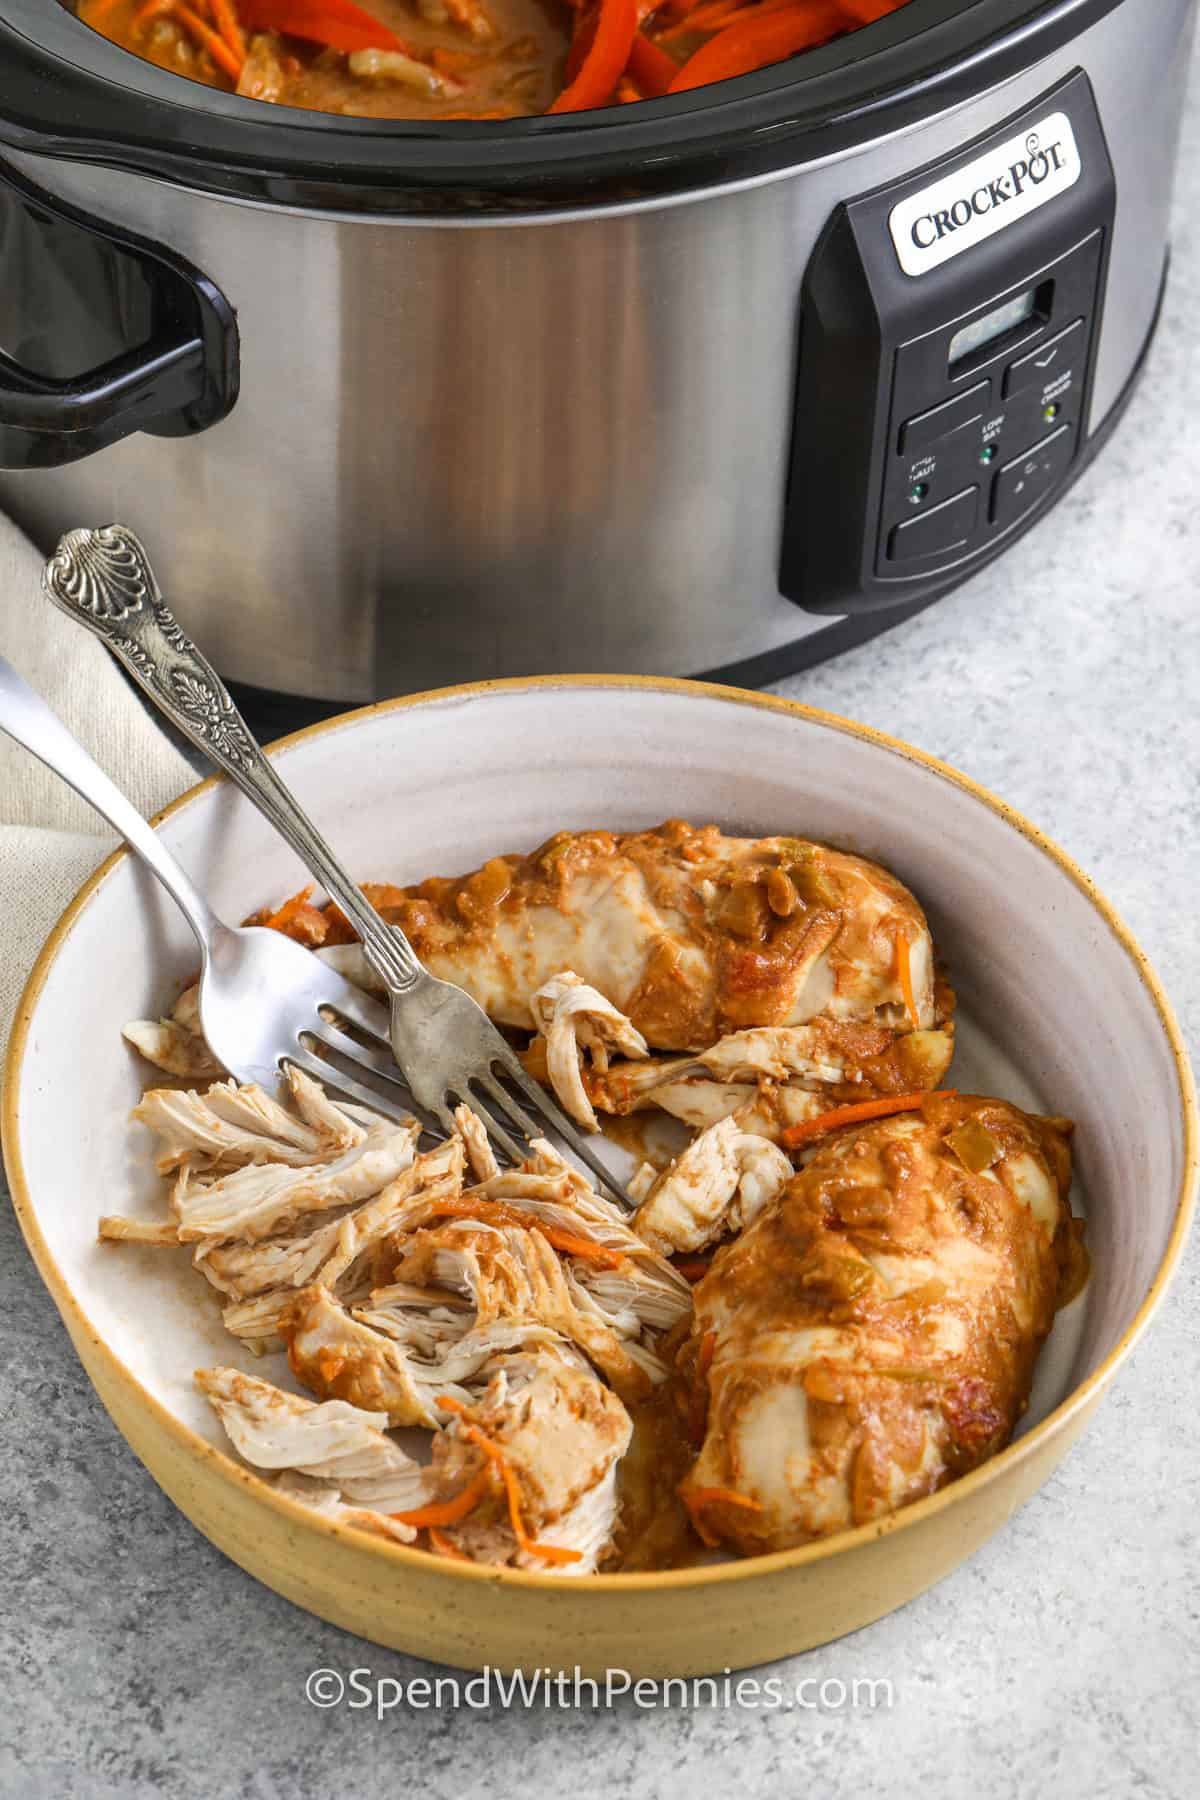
482, 59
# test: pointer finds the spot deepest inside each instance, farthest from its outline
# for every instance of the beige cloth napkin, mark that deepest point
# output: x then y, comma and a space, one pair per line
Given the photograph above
50, 839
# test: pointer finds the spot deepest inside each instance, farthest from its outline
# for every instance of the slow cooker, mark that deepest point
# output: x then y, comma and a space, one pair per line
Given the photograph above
720, 382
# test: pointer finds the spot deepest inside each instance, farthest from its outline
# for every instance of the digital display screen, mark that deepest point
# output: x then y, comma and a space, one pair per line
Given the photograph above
993, 325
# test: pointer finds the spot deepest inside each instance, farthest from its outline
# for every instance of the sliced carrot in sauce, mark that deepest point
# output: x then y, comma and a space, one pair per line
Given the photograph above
857, 1114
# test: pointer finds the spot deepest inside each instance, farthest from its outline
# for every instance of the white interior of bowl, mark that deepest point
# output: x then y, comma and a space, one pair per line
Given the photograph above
1056, 1012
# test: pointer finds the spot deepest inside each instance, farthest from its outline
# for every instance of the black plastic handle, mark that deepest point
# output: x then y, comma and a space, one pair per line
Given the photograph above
163, 336
124, 393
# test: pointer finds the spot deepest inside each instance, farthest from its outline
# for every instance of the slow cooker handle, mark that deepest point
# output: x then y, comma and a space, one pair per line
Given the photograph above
179, 376
124, 395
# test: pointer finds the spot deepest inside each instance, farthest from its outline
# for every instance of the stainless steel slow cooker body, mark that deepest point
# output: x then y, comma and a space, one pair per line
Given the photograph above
496, 399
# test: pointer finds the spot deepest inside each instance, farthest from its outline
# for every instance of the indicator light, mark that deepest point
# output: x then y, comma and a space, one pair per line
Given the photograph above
1051, 412
987, 454
918, 491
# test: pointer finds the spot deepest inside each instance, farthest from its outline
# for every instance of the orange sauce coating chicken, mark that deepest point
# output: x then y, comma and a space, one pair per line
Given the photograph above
873, 1333
692, 935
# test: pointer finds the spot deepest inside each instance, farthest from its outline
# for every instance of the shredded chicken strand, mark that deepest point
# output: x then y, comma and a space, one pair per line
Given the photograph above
576, 1021
718, 1185
336, 1456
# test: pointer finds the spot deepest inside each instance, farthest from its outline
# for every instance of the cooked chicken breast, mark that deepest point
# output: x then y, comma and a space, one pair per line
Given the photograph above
873, 1333
688, 933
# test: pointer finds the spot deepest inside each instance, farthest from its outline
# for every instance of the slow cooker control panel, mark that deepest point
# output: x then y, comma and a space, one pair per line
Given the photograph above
986, 415
948, 336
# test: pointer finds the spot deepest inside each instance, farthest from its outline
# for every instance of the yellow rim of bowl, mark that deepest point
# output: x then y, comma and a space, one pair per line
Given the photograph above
748, 1568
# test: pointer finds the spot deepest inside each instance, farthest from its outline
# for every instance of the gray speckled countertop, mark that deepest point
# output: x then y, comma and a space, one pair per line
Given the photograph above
1064, 1658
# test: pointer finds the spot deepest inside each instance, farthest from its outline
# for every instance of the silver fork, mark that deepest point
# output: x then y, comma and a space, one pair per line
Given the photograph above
261, 995
443, 1045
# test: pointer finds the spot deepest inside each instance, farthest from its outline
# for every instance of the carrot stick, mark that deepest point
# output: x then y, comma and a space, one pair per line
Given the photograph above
607, 55
577, 1246
226, 21
904, 971
551, 1553
708, 1344
699, 1497
208, 40
753, 43
693, 1268
444, 1547
708, 17
151, 9
581, 42
651, 68
856, 1114
339, 24
447, 1512
696, 1499
714, 15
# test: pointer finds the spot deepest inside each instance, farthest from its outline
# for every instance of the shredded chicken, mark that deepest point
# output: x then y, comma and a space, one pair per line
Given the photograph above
776, 1077
718, 1185
473, 1133
336, 1354
260, 1199
334, 1457
576, 1021
163, 1233
230, 1126
536, 1456
394, 65
641, 1181
513, 1274
774, 1052
399, 1352
333, 1251
767, 1109
263, 76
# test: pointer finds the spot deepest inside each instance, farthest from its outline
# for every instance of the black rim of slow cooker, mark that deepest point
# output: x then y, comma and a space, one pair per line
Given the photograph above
66, 91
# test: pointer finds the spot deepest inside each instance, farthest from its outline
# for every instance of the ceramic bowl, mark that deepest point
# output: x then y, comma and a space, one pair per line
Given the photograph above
1059, 1009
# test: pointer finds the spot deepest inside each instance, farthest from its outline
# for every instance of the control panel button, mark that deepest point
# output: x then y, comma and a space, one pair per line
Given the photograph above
939, 422
1049, 362
940, 529
1022, 482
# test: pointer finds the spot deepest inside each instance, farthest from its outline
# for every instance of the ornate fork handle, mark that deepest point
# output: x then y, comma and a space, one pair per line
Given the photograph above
103, 579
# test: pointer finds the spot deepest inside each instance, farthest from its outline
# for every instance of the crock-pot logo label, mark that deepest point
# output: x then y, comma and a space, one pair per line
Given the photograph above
975, 202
